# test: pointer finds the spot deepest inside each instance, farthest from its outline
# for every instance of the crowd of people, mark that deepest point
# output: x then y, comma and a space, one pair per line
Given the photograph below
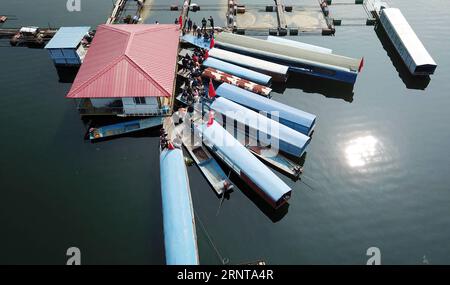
193, 87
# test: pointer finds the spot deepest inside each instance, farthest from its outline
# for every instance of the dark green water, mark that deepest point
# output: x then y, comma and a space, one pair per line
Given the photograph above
377, 168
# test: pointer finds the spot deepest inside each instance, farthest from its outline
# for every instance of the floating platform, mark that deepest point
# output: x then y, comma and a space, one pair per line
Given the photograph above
124, 128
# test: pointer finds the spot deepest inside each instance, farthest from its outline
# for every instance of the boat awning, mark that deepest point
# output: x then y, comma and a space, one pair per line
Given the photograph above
412, 43
295, 53
238, 71
294, 118
298, 44
67, 37
263, 66
180, 239
241, 158
269, 131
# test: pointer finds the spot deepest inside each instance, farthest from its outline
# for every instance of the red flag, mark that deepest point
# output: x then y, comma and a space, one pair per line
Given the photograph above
361, 64
212, 43
180, 21
211, 118
170, 146
211, 90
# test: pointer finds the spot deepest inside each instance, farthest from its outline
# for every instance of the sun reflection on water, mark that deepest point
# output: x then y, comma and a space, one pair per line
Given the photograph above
361, 151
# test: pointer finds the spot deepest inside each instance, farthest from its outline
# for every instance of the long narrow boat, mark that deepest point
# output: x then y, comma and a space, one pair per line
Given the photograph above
209, 167
278, 72
124, 128
180, 239
275, 159
221, 76
252, 171
299, 60
241, 72
261, 128
289, 116
408, 45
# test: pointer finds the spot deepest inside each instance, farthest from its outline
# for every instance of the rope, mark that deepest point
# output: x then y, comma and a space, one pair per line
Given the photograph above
222, 259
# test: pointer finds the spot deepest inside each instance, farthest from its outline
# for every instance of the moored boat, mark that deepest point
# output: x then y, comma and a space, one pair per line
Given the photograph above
221, 76
124, 128
180, 238
252, 171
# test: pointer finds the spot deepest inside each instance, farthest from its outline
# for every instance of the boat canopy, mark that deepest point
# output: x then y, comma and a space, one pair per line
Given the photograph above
292, 43
268, 131
308, 56
408, 37
217, 138
238, 71
294, 118
260, 65
180, 238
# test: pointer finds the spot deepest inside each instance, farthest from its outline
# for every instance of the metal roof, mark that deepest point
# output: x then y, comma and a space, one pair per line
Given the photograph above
67, 37
241, 72
178, 217
408, 37
129, 61
258, 172
259, 103
282, 50
298, 44
288, 140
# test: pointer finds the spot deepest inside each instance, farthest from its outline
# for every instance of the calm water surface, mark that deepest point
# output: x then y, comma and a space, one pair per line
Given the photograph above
376, 172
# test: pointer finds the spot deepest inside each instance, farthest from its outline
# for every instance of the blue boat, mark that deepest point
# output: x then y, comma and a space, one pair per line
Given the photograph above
241, 72
252, 171
300, 60
180, 239
261, 128
124, 128
291, 117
